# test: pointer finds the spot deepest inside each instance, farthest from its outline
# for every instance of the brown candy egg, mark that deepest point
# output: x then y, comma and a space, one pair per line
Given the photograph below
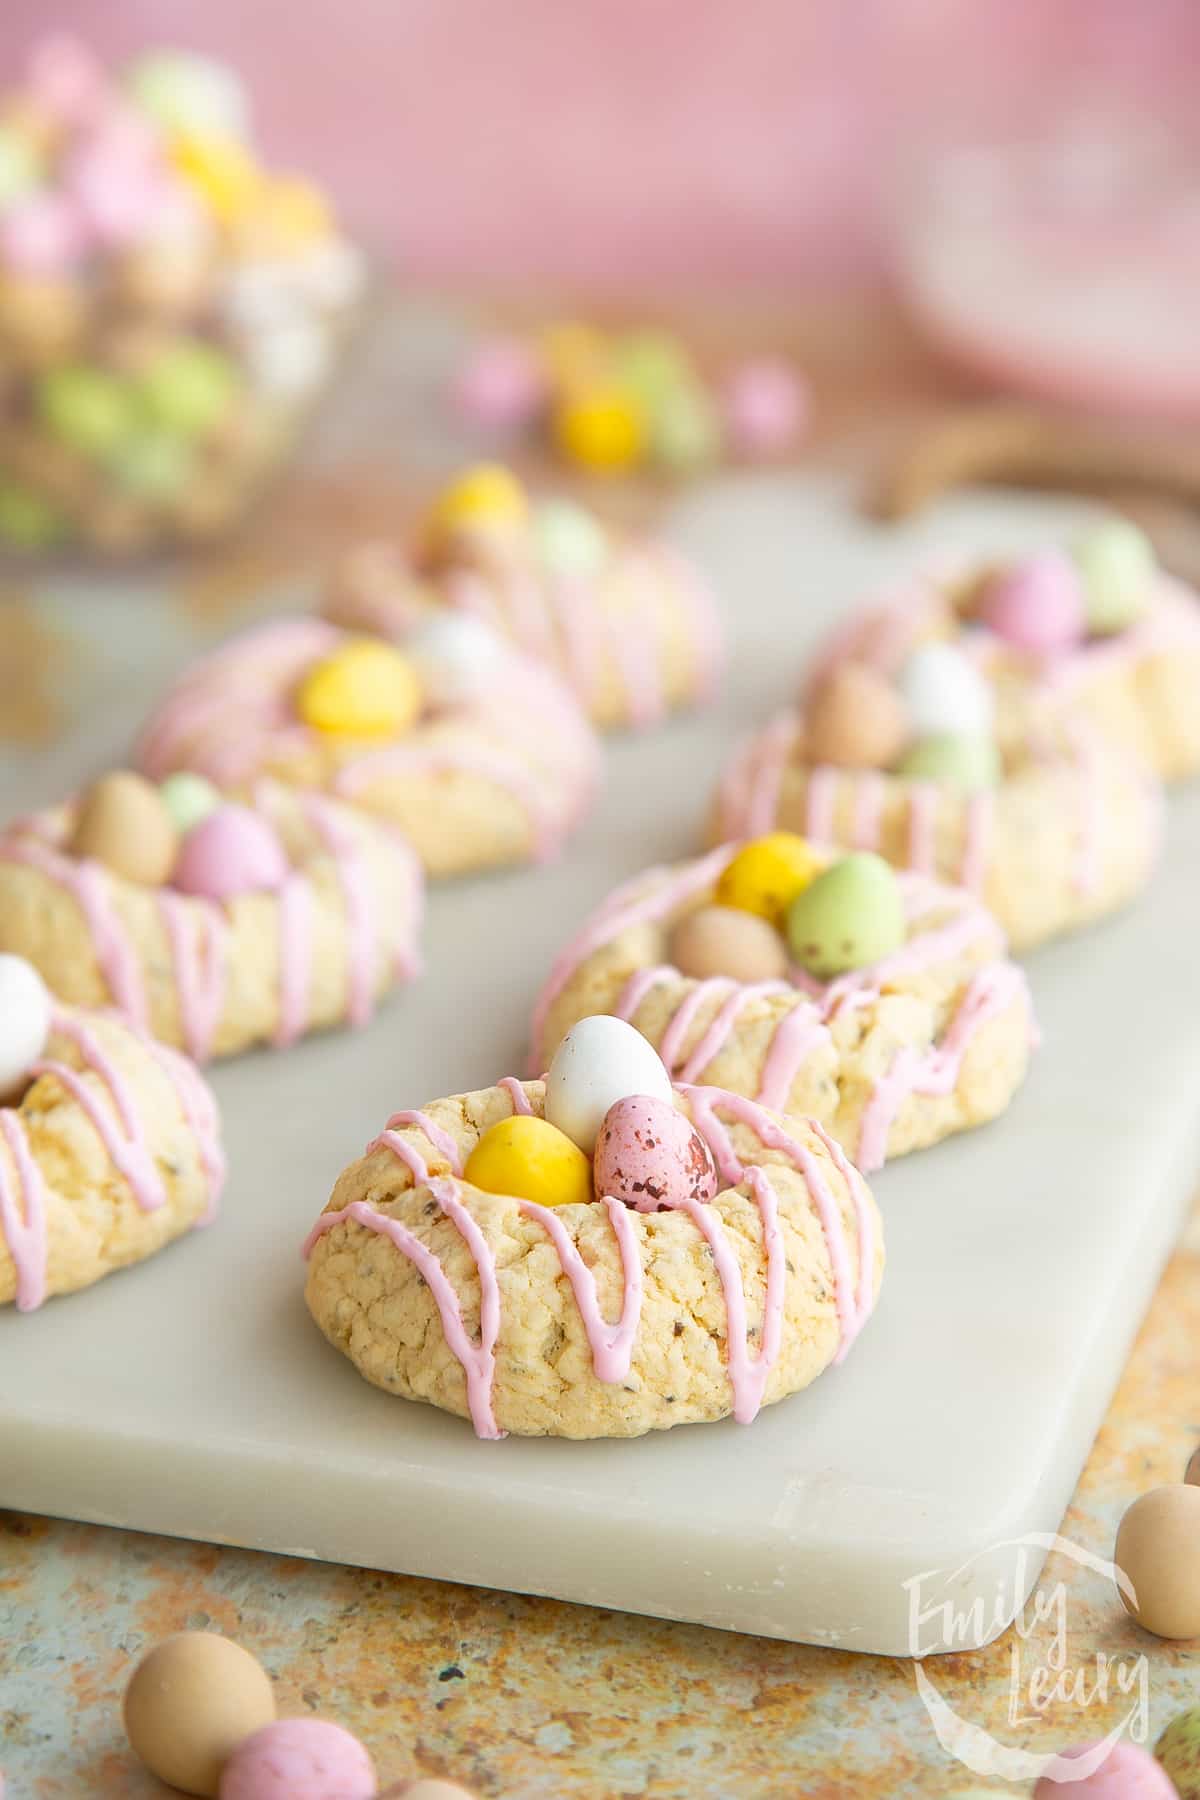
856, 720
722, 940
123, 823
1158, 1548
190, 1702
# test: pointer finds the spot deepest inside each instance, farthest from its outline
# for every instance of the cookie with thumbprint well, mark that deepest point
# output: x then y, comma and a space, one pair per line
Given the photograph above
601, 1255
109, 1143
627, 620
816, 983
216, 923
480, 756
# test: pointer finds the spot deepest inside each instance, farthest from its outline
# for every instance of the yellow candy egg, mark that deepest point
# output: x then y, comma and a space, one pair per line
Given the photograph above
531, 1160
767, 874
487, 494
364, 689
296, 211
601, 428
221, 170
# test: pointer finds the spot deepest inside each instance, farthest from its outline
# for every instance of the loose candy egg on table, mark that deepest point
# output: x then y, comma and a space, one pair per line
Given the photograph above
501, 385
964, 760
299, 1759
649, 1155
363, 689
1158, 1549
765, 405
188, 798
1178, 1750
1116, 562
601, 1060
190, 1702
602, 428
1037, 604
851, 915
25, 1010
944, 691
723, 940
123, 823
569, 540
766, 874
1127, 1772
856, 720
530, 1159
456, 657
231, 851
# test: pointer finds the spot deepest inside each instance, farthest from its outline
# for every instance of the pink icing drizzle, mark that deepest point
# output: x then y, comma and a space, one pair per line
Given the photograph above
612, 1345
88, 883
408, 1153
23, 1216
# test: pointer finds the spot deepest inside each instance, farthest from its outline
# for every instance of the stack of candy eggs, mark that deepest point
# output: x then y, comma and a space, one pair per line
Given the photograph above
610, 402
612, 1129
167, 306
779, 906
182, 834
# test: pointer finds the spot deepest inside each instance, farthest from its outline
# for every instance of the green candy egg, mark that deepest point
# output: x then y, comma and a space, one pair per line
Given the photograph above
1178, 1750
186, 92
188, 798
850, 915
153, 464
961, 759
652, 363
188, 388
685, 430
1117, 563
27, 520
20, 170
569, 540
90, 409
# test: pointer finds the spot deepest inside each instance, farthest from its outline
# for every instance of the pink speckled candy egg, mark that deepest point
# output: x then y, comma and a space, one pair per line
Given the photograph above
501, 385
299, 1759
1037, 604
66, 82
231, 851
765, 405
1126, 1773
43, 235
650, 1155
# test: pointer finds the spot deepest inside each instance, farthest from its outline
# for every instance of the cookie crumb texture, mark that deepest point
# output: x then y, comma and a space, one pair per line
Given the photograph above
112, 1153
373, 1303
216, 978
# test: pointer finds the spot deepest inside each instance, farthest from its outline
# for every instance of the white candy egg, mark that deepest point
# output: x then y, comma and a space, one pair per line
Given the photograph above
24, 1019
600, 1061
455, 655
945, 692
289, 360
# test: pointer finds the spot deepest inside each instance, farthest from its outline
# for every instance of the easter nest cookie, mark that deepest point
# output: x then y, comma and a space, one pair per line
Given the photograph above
627, 621
925, 1031
480, 760
111, 1152
265, 919
593, 1318
1100, 633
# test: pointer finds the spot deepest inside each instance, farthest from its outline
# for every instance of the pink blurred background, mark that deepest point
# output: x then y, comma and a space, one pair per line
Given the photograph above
628, 144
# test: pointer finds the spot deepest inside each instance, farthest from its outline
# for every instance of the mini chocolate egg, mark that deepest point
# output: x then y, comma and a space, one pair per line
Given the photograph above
766, 875
944, 691
685, 429
188, 92
651, 363
601, 1060
723, 940
188, 388
190, 1702
851, 915
569, 540
1125, 1772
766, 404
188, 798
1118, 568
1178, 1750
1037, 604
456, 657
530, 1159
500, 385
20, 166
602, 428
1192, 1473
650, 1156
89, 409
122, 822
25, 1009
299, 1759
28, 521
363, 689
487, 496
1158, 1549
856, 720
232, 851
965, 760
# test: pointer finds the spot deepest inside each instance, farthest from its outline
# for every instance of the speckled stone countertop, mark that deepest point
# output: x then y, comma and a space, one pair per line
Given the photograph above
513, 1696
